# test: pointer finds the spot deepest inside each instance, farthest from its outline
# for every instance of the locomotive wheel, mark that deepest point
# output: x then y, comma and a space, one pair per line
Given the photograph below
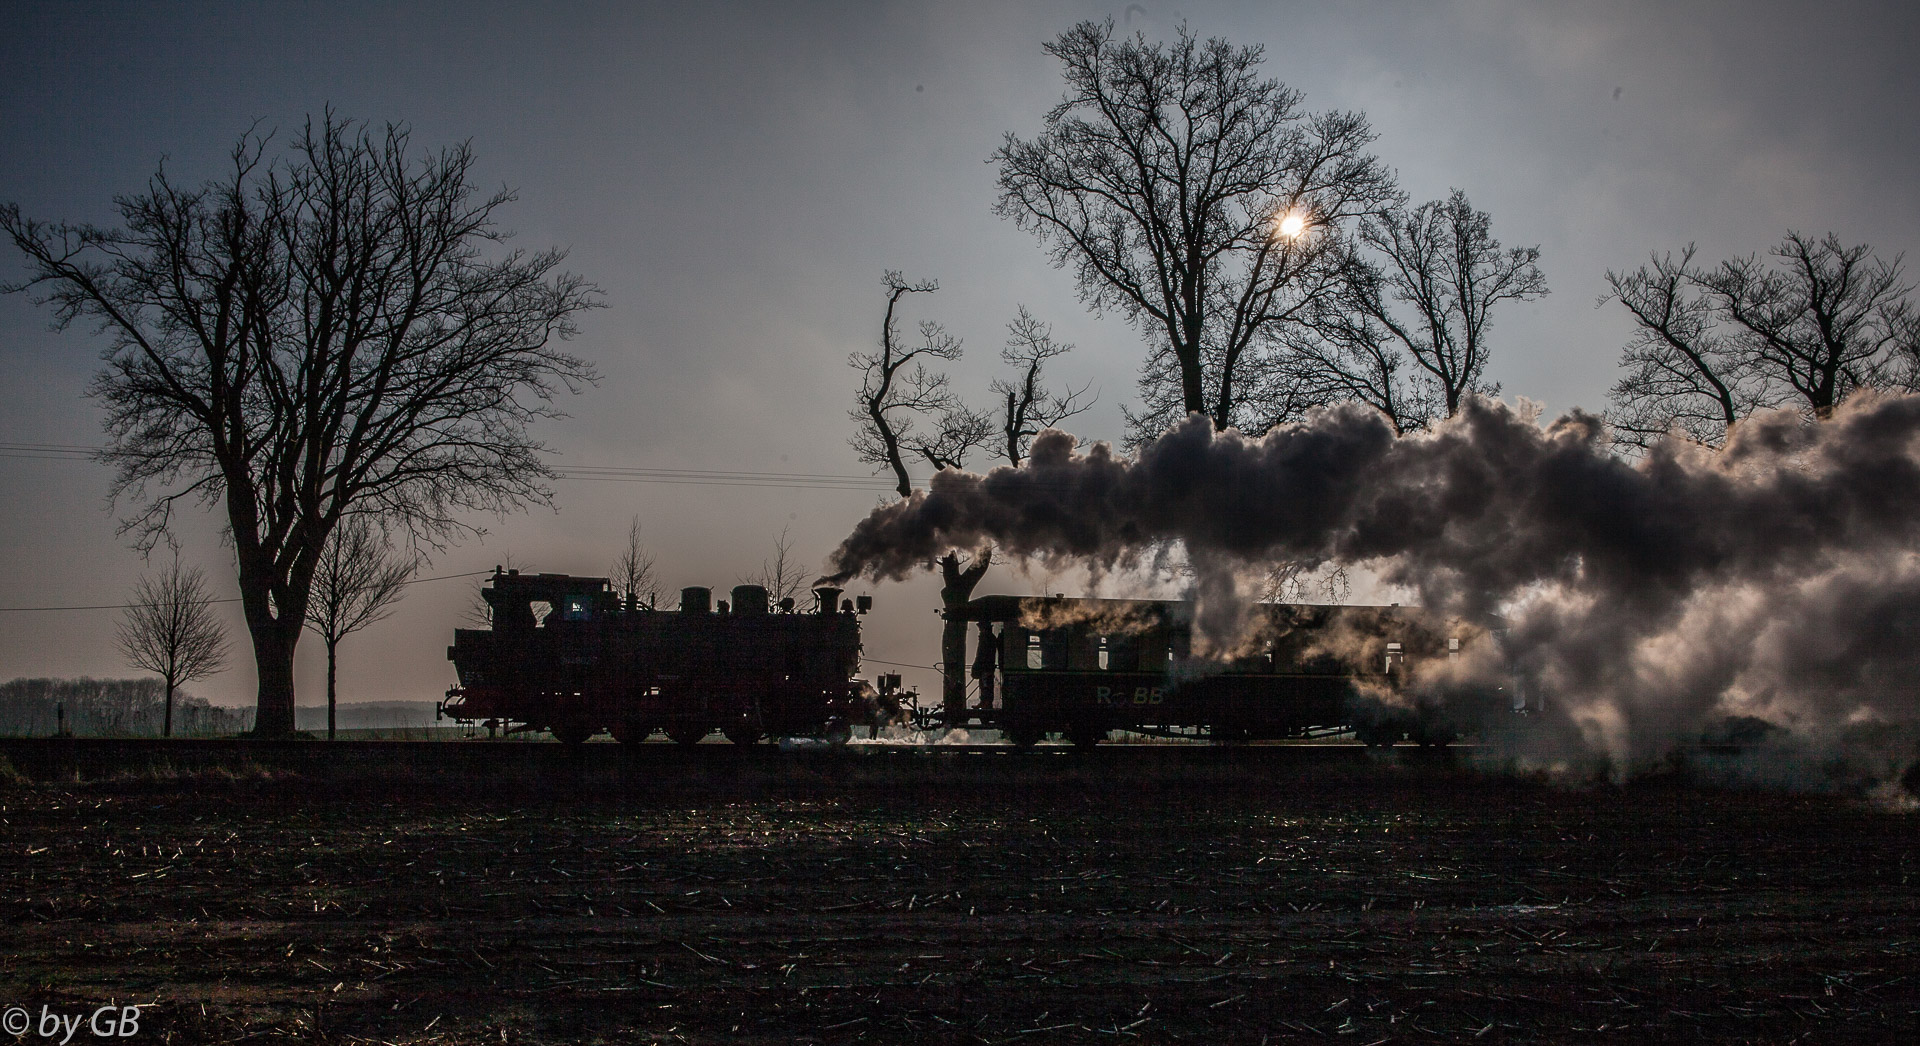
687, 733
741, 733
1086, 735
1023, 735
1376, 735
571, 733
1231, 735
630, 733
838, 732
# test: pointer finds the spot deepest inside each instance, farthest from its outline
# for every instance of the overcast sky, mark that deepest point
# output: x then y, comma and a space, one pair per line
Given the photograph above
737, 177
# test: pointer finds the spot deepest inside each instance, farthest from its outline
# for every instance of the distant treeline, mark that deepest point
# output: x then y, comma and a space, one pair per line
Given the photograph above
367, 715
110, 708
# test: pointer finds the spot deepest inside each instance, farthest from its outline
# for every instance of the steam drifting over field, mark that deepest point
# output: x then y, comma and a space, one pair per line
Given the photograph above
1775, 578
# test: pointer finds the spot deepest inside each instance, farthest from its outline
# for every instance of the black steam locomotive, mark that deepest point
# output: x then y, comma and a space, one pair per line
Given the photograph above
566, 655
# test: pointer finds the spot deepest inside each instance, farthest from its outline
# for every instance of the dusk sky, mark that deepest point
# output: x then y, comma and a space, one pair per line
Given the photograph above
736, 178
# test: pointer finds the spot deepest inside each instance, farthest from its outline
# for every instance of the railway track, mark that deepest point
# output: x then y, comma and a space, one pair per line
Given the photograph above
103, 759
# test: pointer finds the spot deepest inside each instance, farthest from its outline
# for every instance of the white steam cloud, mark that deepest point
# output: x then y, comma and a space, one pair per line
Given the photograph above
1777, 578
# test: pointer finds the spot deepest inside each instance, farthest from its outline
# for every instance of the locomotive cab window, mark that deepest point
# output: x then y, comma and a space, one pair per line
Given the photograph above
541, 611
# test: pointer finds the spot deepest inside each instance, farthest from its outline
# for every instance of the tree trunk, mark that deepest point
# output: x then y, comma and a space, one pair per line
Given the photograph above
275, 615
166, 722
953, 635
333, 648
273, 661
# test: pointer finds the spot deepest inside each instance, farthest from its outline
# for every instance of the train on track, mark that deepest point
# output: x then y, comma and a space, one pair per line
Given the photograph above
567, 655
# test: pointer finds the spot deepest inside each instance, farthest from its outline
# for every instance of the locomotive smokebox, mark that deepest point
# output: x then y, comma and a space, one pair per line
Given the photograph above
749, 599
826, 600
696, 600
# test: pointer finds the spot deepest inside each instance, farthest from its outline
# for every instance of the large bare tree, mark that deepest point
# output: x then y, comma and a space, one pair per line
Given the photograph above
1419, 285
905, 409
359, 579
1806, 329
170, 630
329, 333
1199, 200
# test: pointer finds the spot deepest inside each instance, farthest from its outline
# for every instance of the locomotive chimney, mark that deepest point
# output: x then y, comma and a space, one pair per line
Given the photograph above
695, 600
826, 599
749, 599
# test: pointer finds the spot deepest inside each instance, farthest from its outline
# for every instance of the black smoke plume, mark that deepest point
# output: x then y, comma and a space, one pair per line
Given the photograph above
1778, 577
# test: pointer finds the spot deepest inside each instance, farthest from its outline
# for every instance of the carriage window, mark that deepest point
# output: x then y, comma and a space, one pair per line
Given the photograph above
1034, 659
1103, 653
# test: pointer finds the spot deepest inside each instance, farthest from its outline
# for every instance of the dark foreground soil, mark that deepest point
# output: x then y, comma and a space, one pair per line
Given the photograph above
1338, 904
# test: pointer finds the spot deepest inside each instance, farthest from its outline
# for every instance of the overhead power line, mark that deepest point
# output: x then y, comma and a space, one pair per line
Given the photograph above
584, 473
229, 599
714, 477
56, 451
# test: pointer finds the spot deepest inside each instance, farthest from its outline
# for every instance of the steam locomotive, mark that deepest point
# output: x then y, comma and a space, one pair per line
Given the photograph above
569, 656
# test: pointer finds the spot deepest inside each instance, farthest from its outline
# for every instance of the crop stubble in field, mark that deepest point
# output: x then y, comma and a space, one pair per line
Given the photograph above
1346, 905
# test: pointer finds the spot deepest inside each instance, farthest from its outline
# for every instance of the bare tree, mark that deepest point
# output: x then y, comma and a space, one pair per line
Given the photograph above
1197, 199
359, 578
310, 338
896, 388
1340, 355
633, 573
170, 629
782, 576
1028, 405
1682, 374
1711, 344
1420, 285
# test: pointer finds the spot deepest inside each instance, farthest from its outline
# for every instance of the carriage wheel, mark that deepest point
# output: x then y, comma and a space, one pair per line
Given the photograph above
687, 733
1086, 735
741, 733
1376, 735
571, 732
630, 733
838, 732
1023, 735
